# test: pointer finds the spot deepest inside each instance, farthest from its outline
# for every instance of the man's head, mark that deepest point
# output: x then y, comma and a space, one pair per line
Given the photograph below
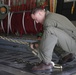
38, 14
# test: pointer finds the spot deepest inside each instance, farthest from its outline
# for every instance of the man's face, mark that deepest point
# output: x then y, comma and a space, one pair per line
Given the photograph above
38, 16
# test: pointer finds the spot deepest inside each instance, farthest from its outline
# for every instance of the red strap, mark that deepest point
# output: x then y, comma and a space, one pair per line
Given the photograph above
51, 5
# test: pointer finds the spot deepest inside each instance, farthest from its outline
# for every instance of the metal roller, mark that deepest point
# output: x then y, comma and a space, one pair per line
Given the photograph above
4, 9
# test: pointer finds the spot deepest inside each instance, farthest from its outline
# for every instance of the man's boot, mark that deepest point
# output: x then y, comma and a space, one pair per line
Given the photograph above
65, 59
42, 68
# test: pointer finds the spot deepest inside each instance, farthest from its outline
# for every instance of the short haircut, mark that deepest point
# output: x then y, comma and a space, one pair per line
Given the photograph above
36, 10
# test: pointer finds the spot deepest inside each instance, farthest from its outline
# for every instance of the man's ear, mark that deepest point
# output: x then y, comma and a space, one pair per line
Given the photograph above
32, 16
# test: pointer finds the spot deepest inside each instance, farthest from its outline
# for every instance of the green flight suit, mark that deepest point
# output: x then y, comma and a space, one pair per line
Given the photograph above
58, 30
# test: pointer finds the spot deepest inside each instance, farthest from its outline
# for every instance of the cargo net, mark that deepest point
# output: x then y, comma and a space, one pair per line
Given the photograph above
24, 5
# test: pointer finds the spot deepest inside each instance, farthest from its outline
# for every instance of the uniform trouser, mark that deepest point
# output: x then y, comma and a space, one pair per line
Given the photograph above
51, 37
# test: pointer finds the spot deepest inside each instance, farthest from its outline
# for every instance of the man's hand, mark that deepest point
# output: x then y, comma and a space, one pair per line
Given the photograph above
34, 45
